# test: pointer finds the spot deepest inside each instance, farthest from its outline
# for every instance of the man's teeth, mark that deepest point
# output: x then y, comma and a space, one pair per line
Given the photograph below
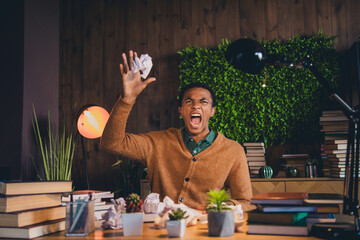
195, 115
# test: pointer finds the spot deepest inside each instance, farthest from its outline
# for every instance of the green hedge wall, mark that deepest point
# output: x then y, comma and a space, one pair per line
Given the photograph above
286, 110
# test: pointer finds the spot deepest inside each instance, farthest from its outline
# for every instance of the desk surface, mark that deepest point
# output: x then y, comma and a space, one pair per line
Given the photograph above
199, 231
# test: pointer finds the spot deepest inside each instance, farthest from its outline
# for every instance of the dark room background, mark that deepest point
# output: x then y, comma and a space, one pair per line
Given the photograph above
92, 34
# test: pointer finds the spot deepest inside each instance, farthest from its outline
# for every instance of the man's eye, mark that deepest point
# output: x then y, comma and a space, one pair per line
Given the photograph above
204, 102
187, 101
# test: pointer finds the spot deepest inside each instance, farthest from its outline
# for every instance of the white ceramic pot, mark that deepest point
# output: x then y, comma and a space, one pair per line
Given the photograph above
132, 223
176, 228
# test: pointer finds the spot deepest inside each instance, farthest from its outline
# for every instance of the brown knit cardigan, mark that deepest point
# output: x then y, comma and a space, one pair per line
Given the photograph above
172, 170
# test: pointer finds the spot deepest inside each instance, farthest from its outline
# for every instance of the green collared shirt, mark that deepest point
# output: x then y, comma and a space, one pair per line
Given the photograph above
201, 146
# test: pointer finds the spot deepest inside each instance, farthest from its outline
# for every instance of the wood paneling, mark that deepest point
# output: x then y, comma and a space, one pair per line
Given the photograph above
93, 34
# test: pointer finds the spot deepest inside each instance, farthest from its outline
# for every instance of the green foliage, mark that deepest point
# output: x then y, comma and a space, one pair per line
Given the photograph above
216, 199
177, 214
287, 109
56, 152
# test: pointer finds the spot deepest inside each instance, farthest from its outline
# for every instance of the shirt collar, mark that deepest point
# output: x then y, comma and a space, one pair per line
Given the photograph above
209, 138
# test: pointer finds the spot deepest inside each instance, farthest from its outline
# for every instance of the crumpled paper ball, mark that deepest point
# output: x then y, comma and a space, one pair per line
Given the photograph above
152, 204
143, 64
113, 215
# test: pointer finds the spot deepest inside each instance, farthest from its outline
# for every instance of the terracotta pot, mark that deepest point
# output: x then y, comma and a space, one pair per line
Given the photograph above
221, 224
176, 228
132, 223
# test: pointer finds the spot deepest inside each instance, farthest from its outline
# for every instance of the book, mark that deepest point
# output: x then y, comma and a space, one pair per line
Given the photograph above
332, 113
303, 208
299, 155
25, 202
255, 158
31, 217
24, 188
335, 151
81, 194
280, 198
324, 198
320, 220
256, 216
253, 144
295, 230
333, 118
33, 231
254, 163
339, 146
255, 154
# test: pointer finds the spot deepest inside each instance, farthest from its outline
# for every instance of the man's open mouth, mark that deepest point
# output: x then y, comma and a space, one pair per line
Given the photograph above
195, 119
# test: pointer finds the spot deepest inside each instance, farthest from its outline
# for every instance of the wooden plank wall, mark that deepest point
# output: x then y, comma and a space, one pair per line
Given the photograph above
94, 34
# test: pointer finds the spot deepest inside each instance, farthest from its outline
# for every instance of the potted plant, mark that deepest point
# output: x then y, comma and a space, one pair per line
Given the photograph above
176, 226
56, 151
133, 218
220, 217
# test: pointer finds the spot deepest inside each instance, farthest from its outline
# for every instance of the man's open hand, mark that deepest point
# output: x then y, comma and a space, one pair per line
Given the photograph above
132, 83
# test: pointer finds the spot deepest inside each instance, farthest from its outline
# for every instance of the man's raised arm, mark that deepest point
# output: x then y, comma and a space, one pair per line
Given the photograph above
133, 85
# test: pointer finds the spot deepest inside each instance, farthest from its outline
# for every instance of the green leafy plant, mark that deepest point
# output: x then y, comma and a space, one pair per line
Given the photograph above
56, 152
287, 109
177, 214
217, 199
133, 203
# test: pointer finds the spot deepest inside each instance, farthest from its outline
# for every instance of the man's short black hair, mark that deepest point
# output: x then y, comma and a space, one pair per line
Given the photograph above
197, 85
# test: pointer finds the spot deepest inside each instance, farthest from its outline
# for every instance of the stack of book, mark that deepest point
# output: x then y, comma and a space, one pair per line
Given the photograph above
101, 199
325, 163
336, 152
32, 209
287, 213
334, 125
255, 154
297, 161
323, 199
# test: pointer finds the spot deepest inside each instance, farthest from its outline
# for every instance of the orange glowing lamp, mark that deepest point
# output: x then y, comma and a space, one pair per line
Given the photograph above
92, 121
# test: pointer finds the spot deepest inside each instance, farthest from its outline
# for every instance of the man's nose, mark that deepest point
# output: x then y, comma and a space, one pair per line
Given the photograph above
195, 104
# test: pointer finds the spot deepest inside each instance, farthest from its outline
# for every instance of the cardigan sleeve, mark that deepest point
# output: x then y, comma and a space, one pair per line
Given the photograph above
114, 139
239, 183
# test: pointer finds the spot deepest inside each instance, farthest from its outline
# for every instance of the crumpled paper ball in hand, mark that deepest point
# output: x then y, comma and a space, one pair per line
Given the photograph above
143, 64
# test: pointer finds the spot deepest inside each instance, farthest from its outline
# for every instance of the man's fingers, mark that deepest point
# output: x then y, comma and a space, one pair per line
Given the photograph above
149, 80
121, 69
131, 59
126, 66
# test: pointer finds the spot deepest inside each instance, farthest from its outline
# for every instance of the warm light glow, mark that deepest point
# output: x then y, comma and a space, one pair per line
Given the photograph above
92, 121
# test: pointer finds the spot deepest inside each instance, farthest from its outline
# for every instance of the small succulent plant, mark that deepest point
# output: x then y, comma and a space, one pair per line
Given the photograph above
177, 214
217, 199
133, 203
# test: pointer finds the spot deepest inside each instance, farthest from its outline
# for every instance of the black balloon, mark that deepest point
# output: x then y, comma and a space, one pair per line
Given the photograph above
246, 55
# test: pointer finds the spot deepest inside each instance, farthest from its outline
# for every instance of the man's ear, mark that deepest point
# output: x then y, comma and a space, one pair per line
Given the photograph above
212, 111
179, 111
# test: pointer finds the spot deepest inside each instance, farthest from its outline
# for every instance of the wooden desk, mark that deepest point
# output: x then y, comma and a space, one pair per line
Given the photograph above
199, 231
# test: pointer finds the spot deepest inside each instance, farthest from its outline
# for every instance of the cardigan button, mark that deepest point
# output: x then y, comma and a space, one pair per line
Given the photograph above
194, 159
181, 199
187, 179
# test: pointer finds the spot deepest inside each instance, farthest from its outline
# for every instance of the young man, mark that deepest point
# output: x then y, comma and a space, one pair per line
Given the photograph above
182, 164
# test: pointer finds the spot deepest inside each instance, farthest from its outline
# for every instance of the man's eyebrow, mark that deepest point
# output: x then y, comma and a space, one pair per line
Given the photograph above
187, 98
